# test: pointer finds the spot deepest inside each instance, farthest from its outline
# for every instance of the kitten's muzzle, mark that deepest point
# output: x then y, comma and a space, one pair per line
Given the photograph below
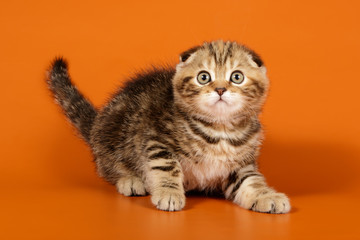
220, 91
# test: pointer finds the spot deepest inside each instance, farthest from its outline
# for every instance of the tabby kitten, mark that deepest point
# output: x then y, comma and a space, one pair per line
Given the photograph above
169, 130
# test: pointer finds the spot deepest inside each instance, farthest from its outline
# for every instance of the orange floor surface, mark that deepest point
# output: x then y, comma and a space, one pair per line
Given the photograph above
49, 187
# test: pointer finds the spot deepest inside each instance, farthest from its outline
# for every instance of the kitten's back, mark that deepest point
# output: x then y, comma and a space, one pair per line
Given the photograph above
144, 103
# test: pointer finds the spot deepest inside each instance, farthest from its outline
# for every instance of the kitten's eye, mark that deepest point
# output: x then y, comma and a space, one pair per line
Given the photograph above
237, 77
204, 77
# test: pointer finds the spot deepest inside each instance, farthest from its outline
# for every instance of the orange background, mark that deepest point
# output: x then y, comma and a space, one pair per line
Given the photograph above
49, 188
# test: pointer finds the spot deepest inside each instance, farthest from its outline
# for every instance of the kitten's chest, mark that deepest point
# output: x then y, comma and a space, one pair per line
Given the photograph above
208, 167
208, 155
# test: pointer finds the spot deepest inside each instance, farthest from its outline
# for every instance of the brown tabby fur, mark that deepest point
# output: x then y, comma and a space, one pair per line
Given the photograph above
164, 133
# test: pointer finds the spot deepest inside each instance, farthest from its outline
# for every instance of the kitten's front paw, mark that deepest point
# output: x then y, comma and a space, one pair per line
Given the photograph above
271, 203
168, 199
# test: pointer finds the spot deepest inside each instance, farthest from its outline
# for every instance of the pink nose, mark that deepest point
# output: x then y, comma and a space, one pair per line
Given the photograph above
220, 91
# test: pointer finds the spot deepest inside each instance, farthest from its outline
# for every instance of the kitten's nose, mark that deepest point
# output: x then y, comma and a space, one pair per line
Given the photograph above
220, 91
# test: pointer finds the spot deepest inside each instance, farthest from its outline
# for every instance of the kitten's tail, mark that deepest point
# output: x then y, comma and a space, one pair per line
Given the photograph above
76, 107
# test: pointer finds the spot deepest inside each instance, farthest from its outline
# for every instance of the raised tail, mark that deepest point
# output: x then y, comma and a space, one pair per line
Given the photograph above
76, 107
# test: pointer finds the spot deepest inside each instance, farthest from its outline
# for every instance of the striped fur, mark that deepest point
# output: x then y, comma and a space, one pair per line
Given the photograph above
78, 110
166, 133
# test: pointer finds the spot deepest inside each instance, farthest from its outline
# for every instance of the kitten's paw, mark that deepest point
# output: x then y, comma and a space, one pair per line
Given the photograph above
168, 200
131, 186
271, 203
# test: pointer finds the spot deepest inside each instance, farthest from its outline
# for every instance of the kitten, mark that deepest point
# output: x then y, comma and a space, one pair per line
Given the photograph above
169, 130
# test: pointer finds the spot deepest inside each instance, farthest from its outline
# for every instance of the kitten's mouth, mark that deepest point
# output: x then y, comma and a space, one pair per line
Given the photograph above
220, 101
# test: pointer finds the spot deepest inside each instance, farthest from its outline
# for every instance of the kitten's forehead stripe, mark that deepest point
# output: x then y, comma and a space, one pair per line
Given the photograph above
220, 52
211, 49
213, 53
228, 52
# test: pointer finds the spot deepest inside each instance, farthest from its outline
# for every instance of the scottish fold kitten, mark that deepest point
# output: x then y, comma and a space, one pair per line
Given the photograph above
172, 130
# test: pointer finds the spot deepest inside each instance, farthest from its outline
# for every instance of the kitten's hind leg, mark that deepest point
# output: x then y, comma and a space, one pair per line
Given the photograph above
165, 180
126, 181
247, 188
131, 186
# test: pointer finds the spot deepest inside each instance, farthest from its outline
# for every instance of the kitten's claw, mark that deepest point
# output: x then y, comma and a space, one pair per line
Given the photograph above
168, 200
131, 186
271, 203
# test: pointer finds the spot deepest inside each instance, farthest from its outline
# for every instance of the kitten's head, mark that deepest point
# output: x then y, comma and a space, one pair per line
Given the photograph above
220, 81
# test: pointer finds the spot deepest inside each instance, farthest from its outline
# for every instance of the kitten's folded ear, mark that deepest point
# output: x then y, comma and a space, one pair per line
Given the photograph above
255, 57
185, 55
